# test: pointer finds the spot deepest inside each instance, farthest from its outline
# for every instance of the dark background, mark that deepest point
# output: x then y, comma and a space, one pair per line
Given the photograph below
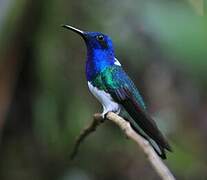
45, 102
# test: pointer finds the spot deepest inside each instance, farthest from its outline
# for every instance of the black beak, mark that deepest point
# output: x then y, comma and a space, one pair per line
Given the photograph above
78, 31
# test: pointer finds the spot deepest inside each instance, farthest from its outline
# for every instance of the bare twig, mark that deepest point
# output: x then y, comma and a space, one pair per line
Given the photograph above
97, 120
153, 158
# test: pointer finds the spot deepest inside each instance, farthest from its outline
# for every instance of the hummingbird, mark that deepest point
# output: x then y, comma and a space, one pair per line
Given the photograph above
114, 89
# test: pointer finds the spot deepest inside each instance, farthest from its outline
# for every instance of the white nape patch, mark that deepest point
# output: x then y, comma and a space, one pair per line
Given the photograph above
117, 62
105, 99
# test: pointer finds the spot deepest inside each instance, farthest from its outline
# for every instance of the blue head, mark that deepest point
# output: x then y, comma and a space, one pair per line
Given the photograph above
100, 51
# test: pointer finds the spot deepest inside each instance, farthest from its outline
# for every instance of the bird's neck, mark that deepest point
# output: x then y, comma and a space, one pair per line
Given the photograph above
97, 60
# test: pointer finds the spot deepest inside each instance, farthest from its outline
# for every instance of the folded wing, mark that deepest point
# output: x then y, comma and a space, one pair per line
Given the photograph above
125, 93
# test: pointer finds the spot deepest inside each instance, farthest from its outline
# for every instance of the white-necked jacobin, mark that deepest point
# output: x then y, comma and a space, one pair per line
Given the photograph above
113, 88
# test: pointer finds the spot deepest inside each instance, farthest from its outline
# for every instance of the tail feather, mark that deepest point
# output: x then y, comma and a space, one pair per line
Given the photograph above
157, 148
147, 125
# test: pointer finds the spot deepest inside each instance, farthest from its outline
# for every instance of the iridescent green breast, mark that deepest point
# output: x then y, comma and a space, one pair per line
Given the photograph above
98, 82
106, 74
114, 77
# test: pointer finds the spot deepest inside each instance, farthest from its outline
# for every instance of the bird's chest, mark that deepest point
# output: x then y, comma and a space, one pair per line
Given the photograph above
103, 97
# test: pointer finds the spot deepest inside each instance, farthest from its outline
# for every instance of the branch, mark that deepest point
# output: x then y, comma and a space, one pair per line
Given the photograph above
153, 158
97, 120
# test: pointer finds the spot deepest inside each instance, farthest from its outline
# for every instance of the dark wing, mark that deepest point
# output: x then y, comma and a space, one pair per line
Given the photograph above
125, 93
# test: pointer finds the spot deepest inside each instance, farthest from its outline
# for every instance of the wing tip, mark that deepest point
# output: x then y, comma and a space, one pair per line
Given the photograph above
159, 148
169, 148
165, 144
163, 155
163, 152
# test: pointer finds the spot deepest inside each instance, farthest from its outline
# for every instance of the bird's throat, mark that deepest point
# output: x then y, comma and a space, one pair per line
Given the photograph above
97, 61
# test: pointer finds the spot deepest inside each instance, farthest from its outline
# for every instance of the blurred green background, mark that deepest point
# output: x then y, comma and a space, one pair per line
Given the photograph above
45, 102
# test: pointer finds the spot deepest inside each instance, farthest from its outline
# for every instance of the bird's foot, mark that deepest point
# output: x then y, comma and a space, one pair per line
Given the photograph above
104, 114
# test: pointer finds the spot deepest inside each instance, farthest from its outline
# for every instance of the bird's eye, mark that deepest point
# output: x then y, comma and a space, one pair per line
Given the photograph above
100, 37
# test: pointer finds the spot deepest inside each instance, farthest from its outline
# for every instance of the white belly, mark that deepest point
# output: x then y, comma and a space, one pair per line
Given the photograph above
105, 99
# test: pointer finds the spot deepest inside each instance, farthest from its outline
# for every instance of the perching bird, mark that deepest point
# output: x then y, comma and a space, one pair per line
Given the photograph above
113, 88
